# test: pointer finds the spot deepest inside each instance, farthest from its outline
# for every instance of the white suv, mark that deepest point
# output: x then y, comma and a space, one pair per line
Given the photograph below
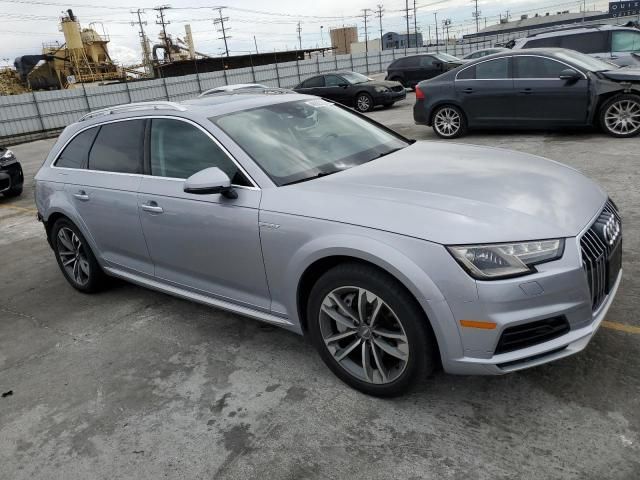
620, 45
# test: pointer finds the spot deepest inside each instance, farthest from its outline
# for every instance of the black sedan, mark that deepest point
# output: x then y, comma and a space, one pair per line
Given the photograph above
415, 68
353, 89
11, 176
534, 88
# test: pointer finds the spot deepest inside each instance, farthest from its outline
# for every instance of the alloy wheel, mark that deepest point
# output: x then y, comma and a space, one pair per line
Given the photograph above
363, 103
73, 256
364, 335
447, 121
623, 117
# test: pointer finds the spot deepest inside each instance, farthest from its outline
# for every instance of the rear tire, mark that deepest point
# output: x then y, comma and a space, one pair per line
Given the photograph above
364, 102
620, 116
449, 122
369, 330
75, 258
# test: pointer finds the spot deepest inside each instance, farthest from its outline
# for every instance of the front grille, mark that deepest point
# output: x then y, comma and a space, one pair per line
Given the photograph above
398, 88
601, 249
532, 333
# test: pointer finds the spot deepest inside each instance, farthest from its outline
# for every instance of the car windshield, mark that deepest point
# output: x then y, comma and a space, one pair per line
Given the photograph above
445, 57
354, 78
305, 139
586, 61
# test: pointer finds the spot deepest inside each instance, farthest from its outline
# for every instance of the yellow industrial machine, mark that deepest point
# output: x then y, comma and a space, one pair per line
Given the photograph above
83, 58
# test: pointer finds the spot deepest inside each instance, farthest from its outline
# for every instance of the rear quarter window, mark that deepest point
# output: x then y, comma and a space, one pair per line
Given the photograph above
550, 42
593, 42
76, 153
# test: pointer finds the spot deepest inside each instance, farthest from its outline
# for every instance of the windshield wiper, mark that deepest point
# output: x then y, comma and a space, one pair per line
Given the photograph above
312, 177
393, 150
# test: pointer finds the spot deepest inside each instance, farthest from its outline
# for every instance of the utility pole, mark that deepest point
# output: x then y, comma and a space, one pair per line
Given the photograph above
435, 15
365, 15
224, 36
161, 21
415, 22
406, 10
476, 15
445, 26
255, 42
379, 15
146, 57
299, 30
584, 9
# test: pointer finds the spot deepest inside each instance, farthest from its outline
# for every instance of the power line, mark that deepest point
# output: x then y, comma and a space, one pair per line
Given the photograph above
221, 21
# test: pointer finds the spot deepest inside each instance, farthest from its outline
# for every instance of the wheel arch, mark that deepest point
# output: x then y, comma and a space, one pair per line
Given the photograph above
387, 260
443, 103
604, 98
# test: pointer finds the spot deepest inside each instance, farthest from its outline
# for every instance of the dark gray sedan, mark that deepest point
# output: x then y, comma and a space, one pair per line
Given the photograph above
534, 88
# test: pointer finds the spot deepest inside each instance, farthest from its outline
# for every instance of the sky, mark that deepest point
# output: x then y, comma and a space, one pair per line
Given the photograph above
30, 23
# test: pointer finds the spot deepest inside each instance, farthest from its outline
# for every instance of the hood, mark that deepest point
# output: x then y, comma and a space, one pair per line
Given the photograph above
626, 74
451, 194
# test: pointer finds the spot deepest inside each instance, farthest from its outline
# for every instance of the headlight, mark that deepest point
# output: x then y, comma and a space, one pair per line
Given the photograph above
382, 89
7, 157
493, 261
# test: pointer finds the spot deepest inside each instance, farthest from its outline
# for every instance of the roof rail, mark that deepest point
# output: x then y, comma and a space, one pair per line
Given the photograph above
575, 26
130, 107
244, 91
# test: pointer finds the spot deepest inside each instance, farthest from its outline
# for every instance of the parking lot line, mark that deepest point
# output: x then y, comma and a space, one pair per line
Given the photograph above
621, 327
20, 209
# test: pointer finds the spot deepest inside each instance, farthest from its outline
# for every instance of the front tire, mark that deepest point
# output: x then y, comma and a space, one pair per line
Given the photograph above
75, 258
369, 330
364, 102
449, 122
620, 116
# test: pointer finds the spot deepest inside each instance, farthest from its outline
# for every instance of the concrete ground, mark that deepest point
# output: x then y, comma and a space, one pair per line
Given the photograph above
132, 383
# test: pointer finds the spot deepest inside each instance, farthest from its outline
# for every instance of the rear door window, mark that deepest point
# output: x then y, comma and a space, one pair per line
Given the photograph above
119, 147
593, 42
407, 62
314, 82
549, 42
333, 81
76, 153
427, 61
625, 41
493, 69
537, 67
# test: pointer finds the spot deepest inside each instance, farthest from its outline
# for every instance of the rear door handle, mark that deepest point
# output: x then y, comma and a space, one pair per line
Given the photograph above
468, 90
527, 91
81, 195
152, 207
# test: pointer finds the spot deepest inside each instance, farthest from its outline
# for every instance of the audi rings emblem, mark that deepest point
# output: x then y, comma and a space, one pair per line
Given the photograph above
611, 230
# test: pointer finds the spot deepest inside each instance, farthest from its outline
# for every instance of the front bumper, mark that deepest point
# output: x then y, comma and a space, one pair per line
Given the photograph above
11, 176
390, 97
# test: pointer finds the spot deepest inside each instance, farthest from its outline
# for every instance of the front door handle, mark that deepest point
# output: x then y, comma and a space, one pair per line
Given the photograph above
81, 195
468, 90
152, 207
527, 91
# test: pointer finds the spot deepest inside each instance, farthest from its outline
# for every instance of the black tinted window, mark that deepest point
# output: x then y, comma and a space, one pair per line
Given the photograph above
468, 73
406, 62
551, 42
75, 154
314, 82
119, 147
333, 81
493, 69
178, 150
594, 42
537, 67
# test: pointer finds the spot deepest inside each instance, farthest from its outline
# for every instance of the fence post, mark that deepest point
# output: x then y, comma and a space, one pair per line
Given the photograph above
318, 63
199, 83
351, 58
86, 98
277, 71
166, 90
366, 60
35, 102
126, 85
298, 68
335, 57
224, 73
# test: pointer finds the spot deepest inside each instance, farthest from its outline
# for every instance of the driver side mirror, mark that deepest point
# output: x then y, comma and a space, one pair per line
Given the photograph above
210, 181
437, 64
569, 74
343, 85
